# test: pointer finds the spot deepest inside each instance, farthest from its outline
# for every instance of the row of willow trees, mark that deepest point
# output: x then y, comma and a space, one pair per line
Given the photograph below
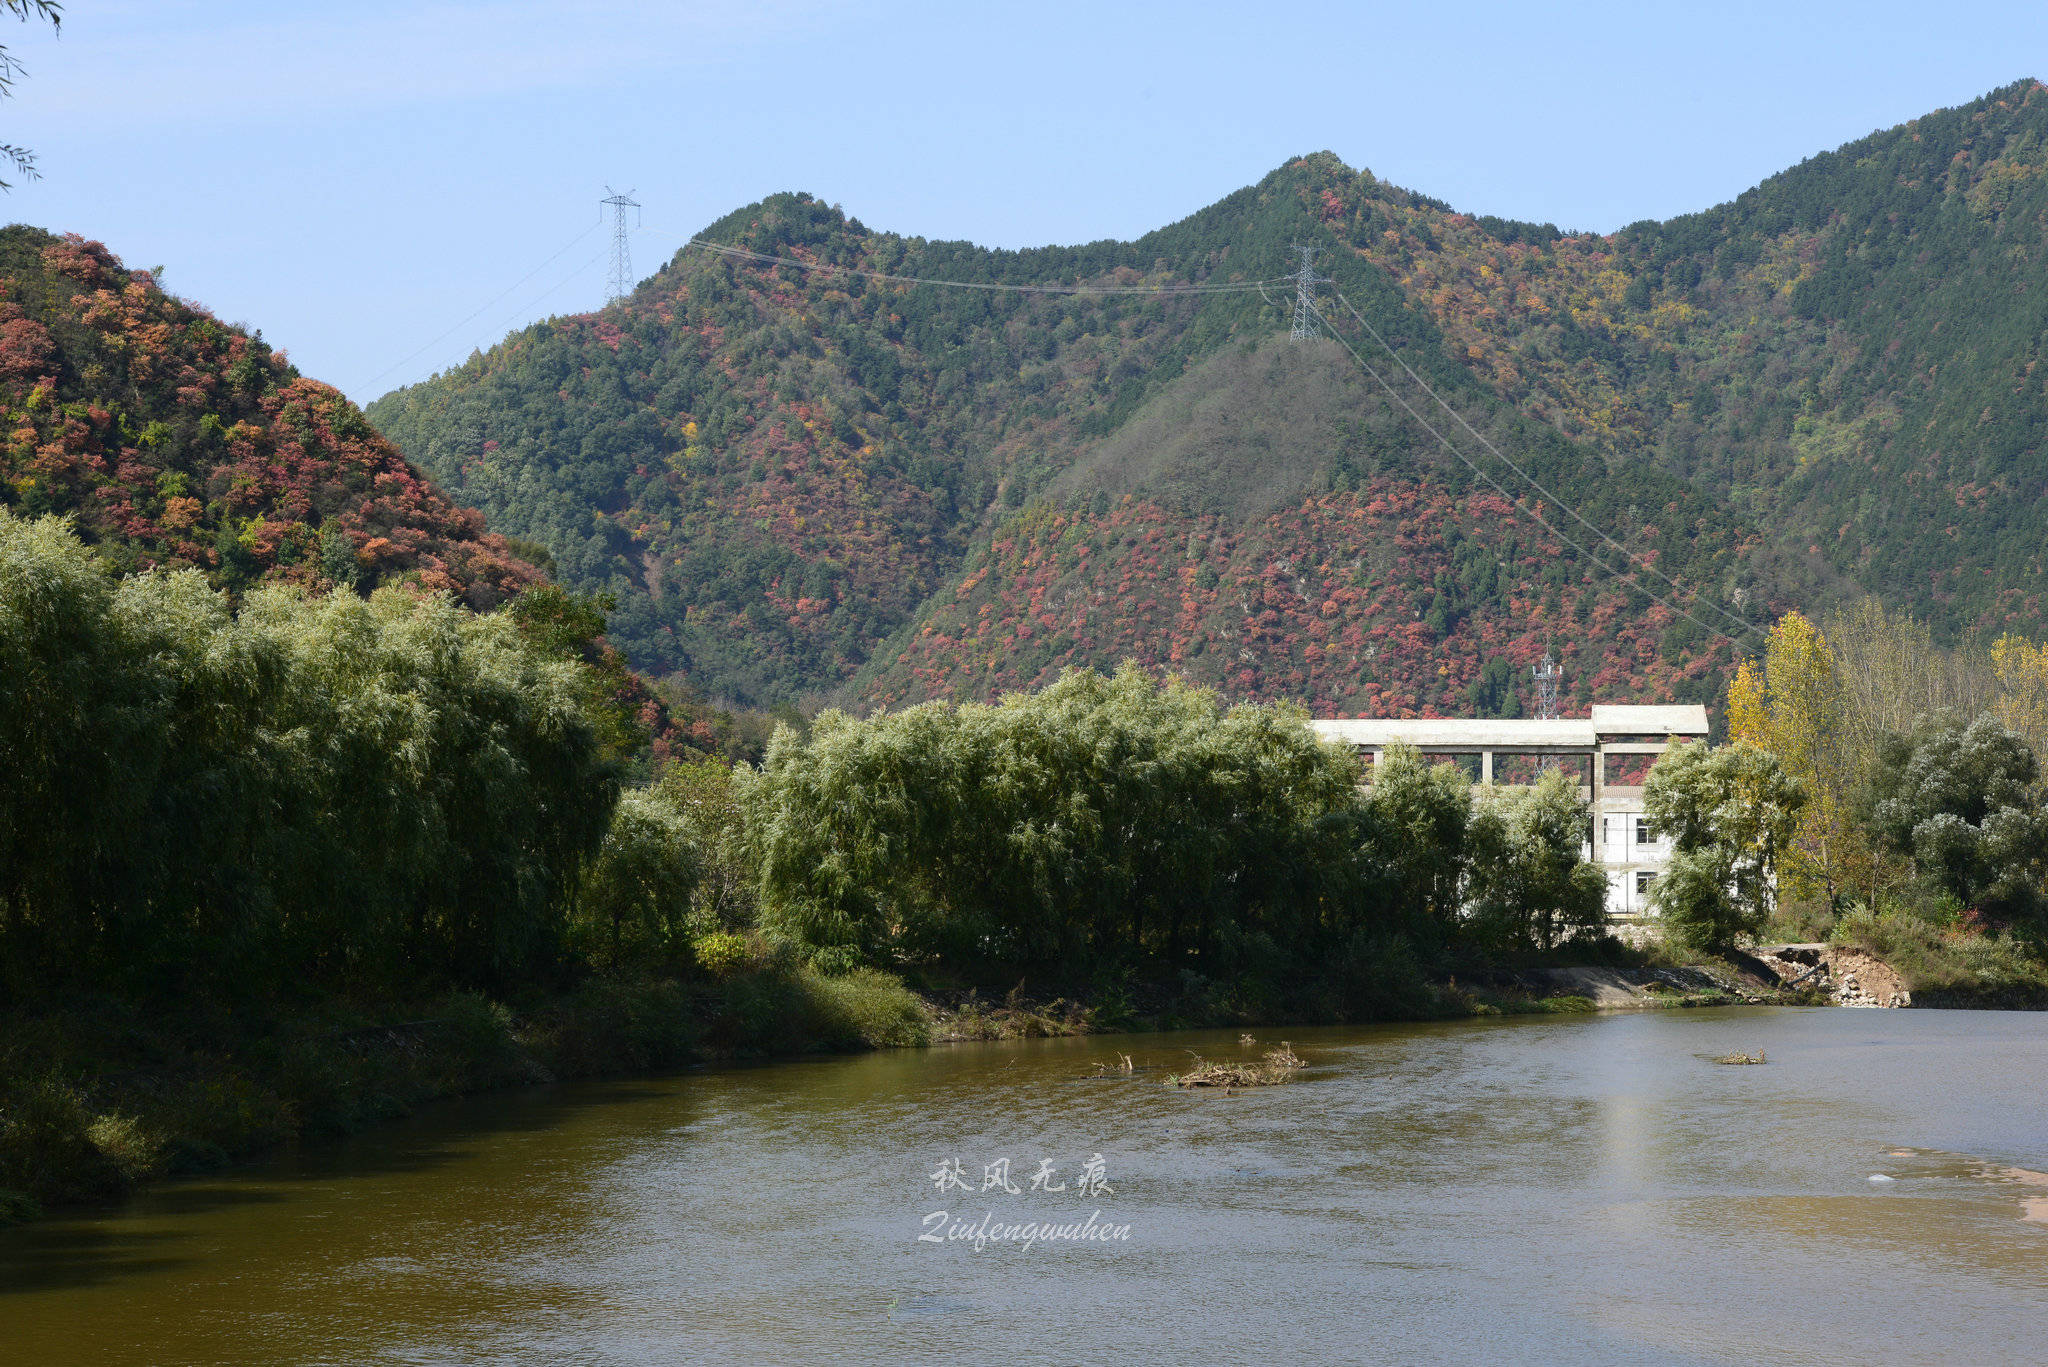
290, 792
293, 792
1115, 820
292, 789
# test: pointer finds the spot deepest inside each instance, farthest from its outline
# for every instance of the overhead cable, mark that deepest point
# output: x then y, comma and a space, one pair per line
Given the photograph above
764, 258
484, 308
1536, 484
1541, 521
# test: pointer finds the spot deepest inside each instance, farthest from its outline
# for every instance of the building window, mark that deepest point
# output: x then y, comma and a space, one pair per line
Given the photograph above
1603, 830
1643, 881
1646, 834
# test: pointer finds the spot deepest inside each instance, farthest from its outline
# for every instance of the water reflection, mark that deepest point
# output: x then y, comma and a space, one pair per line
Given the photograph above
1563, 1189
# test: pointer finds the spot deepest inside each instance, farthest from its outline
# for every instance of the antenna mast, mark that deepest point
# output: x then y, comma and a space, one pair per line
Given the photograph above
1547, 674
622, 247
1305, 282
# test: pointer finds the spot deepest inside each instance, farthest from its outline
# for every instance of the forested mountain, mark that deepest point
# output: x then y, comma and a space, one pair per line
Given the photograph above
809, 481
1847, 352
175, 440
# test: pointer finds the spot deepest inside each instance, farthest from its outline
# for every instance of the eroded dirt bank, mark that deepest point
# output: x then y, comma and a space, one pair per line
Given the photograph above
1849, 977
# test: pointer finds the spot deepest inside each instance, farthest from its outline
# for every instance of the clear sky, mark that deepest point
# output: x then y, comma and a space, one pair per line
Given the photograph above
357, 178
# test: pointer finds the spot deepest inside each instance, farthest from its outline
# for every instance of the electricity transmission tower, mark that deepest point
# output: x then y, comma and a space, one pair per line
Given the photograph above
1305, 282
622, 247
1547, 674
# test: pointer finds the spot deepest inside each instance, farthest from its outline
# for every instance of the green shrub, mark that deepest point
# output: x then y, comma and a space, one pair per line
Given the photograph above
615, 1026
47, 1151
135, 1153
17, 1207
236, 1114
836, 960
1799, 923
1956, 962
863, 1008
721, 953
477, 1034
760, 1012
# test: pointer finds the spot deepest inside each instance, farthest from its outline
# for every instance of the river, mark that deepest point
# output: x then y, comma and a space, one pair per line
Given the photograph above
1566, 1189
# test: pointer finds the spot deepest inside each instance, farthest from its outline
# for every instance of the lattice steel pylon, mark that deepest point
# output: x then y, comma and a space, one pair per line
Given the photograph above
1547, 674
622, 243
1305, 282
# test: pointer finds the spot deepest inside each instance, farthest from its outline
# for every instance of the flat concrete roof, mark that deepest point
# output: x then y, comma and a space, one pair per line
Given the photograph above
1476, 733
1455, 732
1664, 719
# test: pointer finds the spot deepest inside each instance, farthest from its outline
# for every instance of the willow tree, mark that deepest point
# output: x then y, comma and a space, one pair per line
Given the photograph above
634, 905
1528, 886
294, 791
1421, 819
1099, 817
81, 731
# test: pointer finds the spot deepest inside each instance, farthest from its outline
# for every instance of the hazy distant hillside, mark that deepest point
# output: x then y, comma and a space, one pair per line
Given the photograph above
174, 440
778, 470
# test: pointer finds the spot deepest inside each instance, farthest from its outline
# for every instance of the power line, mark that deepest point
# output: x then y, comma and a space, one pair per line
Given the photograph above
558, 253
742, 253
1470, 464
622, 244
621, 282
1499, 455
552, 289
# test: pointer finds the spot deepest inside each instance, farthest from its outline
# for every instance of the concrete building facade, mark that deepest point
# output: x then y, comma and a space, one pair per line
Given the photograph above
1612, 751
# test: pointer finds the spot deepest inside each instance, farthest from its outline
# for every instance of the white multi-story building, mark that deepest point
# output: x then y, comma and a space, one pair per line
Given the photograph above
1612, 751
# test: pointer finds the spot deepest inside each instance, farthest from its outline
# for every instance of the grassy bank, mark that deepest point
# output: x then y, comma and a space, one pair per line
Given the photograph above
111, 1093
1949, 962
1199, 1005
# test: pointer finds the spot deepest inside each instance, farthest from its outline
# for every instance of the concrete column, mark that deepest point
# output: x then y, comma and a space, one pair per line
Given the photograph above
1486, 766
1599, 783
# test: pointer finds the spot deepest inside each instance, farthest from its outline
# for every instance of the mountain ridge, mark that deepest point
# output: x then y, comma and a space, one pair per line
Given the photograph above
787, 472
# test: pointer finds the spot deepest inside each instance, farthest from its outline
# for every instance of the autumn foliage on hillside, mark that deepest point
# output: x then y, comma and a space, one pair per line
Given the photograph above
1400, 599
174, 440
778, 472
772, 467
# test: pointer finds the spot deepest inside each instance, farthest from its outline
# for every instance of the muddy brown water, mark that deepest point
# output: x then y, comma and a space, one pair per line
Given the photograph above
1586, 1189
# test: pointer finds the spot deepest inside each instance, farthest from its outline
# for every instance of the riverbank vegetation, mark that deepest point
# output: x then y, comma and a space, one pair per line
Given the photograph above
1111, 832
1924, 839
285, 861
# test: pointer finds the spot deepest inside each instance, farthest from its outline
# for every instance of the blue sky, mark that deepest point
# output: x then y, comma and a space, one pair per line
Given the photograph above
358, 178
